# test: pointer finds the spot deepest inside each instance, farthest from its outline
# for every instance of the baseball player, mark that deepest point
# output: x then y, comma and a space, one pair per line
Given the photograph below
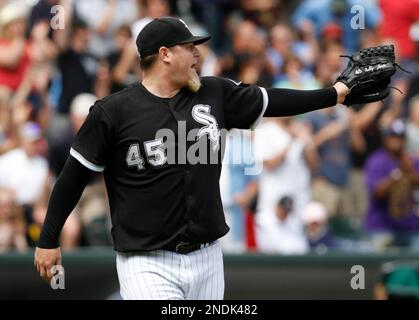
166, 214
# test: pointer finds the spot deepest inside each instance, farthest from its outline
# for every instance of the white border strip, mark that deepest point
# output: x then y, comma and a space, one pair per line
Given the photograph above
85, 162
265, 105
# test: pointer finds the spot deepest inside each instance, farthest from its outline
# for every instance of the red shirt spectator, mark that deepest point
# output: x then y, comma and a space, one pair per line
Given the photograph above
14, 48
12, 77
398, 17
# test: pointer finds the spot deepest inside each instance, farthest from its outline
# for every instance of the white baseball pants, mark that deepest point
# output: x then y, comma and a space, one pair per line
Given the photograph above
166, 275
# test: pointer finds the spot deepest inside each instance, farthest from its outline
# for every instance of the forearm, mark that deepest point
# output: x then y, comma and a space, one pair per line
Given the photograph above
64, 197
290, 102
357, 140
124, 64
367, 115
310, 155
330, 131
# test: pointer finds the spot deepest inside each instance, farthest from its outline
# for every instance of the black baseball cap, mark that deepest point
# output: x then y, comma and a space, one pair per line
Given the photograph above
166, 32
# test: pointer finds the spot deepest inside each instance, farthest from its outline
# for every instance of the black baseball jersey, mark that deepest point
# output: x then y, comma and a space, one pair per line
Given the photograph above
161, 158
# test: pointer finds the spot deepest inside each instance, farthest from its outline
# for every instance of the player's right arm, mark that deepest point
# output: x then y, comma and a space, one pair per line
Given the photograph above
88, 154
64, 197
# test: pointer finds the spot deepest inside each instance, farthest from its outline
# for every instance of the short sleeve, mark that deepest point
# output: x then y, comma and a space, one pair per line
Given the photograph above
244, 105
91, 147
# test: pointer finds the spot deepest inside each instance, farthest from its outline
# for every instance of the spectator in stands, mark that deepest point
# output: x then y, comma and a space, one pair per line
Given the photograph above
291, 151
323, 12
365, 129
213, 15
30, 101
281, 230
398, 18
27, 103
331, 34
78, 68
247, 61
399, 280
122, 60
24, 170
17, 51
263, 13
307, 47
412, 128
149, 10
7, 142
319, 236
366, 121
331, 54
413, 84
281, 46
108, 16
294, 77
15, 55
12, 223
238, 188
331, 138
323, 73
41, 11
392, 177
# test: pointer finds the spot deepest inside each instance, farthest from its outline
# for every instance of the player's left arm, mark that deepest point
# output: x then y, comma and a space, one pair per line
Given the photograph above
245, 105
290, 102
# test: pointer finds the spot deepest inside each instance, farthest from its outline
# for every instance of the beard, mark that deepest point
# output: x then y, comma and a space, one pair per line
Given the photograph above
194, 82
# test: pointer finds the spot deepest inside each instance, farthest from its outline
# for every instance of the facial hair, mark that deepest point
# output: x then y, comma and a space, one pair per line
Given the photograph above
194, 82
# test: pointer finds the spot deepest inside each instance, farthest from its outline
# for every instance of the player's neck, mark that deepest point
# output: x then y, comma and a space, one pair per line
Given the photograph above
159, 87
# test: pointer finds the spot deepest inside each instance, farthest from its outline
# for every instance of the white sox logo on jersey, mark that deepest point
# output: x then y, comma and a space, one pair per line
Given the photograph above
201, 113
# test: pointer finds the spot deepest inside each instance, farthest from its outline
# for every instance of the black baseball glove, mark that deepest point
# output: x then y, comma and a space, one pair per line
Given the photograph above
368, 74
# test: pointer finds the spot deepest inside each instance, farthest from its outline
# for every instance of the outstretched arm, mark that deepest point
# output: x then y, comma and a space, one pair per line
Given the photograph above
289, 102
64, 197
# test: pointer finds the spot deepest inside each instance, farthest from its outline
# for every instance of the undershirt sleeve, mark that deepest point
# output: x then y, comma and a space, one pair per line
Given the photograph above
290, 102
64, 197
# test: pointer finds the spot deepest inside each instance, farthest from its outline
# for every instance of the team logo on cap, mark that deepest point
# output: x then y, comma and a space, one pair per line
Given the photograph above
201, 114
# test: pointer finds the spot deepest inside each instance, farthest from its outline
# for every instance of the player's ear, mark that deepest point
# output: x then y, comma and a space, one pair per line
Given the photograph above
165, 54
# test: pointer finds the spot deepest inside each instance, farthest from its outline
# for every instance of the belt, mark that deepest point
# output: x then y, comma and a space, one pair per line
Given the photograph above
183, 247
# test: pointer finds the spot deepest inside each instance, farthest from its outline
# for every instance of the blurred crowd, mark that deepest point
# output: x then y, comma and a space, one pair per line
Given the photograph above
339, 178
